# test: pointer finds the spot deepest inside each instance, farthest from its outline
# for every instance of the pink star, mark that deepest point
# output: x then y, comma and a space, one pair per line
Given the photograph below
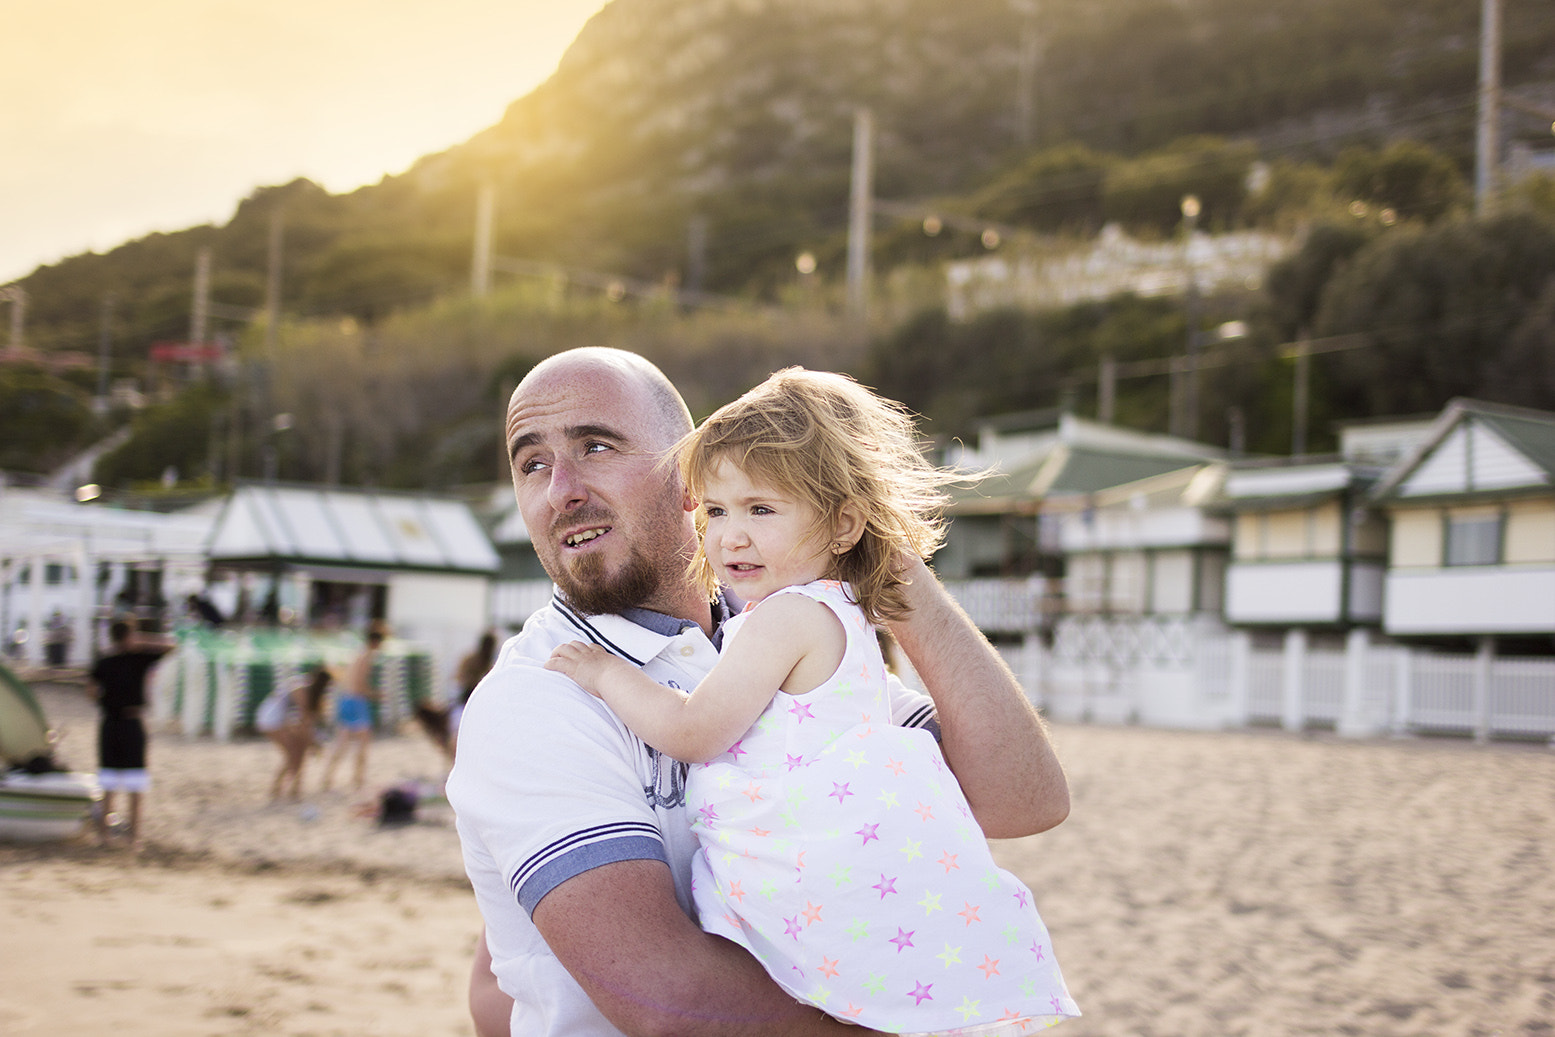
794, 762
753, 791
1056, 1006
736, 892
802, 711
948, 862
840, 790
920, 993
868, 832
990, 967
1036, 948
924, 811
970, 914
1020, 897
791, 927
885, 886
761, 833
827, 967
736, 749
895, 767
854, 1010
708, 812
902, 939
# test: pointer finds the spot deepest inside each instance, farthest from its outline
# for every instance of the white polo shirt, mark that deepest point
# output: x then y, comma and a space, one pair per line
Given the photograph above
549, 784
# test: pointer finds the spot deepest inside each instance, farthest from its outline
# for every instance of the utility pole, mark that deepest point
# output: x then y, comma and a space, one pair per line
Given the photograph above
16, 295
485, 216
1107, 390
696, 253
1487, 145
199, 314
860, 203
1301, 397
1026, 77
104, 344
273, 285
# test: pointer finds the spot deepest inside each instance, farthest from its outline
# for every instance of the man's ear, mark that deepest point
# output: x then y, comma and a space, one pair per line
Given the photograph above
848, 530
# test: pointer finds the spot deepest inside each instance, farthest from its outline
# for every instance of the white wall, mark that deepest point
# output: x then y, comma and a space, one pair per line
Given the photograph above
444, 611
1471, 600
1288, 592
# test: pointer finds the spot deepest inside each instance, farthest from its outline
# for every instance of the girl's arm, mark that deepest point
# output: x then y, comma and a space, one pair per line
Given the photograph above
785, 644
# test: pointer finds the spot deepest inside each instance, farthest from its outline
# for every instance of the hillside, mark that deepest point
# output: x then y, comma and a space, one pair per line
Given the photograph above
740, 112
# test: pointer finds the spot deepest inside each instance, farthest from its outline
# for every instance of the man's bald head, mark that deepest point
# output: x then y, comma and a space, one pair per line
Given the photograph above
672, 419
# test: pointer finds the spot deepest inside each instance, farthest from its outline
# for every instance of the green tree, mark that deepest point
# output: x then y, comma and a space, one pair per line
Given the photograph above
1407, 177
43, 420
175, 434
1440, 305
1147, 193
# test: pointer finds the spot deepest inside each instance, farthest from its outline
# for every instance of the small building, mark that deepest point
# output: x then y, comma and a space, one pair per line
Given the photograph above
1472, 511
333, 558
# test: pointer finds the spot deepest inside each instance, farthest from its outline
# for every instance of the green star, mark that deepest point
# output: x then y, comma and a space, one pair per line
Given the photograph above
950, 955
858, 929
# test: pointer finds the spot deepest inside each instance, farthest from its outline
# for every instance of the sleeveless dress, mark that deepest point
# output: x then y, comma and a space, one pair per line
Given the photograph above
840, 851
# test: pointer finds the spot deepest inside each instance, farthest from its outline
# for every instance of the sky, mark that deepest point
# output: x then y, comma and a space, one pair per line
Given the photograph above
123, 117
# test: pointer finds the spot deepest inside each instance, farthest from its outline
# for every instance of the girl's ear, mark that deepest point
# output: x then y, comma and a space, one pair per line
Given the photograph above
848, 530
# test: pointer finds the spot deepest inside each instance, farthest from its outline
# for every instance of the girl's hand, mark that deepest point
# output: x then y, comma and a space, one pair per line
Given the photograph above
584, 663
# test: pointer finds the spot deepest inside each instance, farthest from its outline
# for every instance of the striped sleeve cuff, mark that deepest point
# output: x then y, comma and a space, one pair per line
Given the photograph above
583, 851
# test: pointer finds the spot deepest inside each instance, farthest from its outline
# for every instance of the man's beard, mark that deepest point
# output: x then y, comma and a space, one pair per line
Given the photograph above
588, 589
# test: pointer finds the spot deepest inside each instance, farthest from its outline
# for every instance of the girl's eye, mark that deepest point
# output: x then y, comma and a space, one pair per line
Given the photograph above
714, 512
761, 509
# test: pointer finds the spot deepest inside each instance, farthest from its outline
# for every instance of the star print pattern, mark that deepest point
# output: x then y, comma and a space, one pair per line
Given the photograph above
843, 850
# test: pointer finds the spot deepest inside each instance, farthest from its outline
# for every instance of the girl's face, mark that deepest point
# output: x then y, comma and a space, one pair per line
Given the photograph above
759, 539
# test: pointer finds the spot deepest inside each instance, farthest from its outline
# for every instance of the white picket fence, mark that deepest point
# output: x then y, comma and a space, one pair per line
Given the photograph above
1201, 675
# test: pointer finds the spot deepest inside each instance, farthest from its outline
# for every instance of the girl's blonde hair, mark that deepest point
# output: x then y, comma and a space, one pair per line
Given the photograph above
831, 442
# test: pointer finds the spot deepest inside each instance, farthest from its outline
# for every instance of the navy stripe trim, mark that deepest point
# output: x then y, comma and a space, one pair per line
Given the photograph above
926, 718
570, 842
587, 858
587, 628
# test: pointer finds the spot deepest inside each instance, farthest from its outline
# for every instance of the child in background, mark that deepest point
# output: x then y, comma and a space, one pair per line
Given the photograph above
836, 848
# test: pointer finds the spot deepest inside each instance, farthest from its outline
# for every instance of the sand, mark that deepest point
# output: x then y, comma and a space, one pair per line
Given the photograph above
1255, 883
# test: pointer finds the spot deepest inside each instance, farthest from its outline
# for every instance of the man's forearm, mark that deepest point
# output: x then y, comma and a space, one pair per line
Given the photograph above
992, 737
648, 968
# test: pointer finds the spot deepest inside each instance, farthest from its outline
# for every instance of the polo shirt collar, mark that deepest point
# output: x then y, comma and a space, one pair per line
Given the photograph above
639, 634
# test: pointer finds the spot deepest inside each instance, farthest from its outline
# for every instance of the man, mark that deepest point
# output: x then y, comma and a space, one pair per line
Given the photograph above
575, 833
353, 711
119, 686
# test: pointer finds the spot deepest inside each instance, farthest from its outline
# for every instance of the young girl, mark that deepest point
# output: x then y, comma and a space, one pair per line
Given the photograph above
835, 847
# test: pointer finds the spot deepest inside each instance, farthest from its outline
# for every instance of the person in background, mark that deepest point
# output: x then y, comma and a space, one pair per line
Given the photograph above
354, 713
56, 639
118, 684
289, 717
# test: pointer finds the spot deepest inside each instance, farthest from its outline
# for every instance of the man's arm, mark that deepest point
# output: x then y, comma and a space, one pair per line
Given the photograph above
992, 737
651, 971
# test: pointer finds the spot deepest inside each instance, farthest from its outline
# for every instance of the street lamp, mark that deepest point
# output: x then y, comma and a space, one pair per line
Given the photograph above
1189, 423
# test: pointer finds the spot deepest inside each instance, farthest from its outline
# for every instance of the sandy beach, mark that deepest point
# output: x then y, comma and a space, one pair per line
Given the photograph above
1245, 883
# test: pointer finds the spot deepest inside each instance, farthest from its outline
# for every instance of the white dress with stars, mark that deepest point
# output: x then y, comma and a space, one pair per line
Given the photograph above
840, 851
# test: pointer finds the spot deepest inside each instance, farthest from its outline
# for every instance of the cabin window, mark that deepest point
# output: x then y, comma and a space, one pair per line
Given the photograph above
1473, 539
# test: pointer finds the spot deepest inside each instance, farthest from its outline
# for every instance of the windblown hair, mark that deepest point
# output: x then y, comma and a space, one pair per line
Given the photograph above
831, 442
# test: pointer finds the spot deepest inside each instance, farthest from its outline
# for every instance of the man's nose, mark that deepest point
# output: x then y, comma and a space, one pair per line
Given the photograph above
566, 490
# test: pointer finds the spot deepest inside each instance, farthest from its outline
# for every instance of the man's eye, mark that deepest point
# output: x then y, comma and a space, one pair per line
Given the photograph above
530, 466
595, 448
